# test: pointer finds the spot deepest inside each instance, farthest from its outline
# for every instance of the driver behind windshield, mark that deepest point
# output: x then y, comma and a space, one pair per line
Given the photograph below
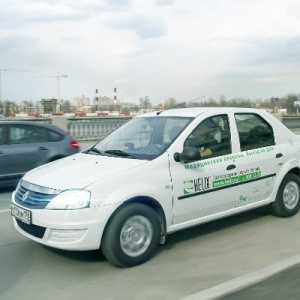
206, 137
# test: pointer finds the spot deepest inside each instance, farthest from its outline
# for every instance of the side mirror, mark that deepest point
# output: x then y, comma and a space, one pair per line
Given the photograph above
188, 154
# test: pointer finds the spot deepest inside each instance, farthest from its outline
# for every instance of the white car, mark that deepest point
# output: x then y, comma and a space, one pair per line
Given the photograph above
159, 173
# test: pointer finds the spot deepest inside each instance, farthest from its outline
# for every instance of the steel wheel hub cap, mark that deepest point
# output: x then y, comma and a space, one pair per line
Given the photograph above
291, 195
136, 236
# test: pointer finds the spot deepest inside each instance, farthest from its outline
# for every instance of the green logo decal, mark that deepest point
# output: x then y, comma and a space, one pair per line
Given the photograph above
243, 198
188, 187
196, 185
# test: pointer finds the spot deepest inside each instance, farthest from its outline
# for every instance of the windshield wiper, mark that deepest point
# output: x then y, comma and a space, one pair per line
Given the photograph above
119, 153
93, 149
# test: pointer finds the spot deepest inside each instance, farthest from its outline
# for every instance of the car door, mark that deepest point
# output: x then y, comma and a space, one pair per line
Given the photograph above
205, 187
25, 150
261, 157
5, 155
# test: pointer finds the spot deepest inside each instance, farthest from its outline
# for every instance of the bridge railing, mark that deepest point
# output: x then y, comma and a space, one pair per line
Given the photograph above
88, 129
291, 121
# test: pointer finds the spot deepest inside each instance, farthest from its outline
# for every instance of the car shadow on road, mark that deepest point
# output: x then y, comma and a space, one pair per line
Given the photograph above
82, 256
213, 227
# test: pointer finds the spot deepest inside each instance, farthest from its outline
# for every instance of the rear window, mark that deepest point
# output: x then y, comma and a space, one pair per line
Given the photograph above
54, 136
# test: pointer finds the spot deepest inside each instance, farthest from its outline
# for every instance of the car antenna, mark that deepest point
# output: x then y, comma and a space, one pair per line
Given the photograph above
179, 104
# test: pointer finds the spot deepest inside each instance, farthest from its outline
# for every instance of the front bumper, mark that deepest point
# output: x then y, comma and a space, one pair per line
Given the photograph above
80, 229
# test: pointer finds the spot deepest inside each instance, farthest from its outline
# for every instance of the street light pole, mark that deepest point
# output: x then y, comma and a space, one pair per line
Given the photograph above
273, 99
97, 101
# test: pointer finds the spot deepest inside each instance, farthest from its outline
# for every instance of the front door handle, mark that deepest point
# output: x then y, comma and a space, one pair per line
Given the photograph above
42, 148
278, 155
231, 167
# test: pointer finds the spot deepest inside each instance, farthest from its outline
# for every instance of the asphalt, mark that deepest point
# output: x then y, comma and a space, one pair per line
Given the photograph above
284, 285
275, 282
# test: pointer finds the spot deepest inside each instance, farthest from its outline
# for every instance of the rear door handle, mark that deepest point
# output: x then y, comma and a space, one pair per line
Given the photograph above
42, 148
231, 167
278, 155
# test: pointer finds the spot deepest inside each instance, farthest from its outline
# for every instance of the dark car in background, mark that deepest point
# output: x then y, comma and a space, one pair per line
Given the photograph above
25, 145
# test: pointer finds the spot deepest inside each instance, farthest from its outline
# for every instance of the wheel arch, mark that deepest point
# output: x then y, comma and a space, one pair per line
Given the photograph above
148, 201
295, 170
285, 204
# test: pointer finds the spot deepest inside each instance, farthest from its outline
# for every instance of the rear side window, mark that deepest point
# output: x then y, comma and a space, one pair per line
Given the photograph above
54, 136
254, 132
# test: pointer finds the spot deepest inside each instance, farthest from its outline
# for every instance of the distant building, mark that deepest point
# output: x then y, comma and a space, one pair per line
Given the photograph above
49, 106
81, 101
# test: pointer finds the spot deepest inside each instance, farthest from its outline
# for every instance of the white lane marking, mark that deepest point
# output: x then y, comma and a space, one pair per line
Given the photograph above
4, 210
244, 280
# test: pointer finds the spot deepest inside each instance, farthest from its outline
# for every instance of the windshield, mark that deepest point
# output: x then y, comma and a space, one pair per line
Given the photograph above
141, 138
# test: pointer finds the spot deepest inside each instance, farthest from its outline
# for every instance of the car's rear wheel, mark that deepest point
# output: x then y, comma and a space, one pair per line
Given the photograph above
131, 236
287, 200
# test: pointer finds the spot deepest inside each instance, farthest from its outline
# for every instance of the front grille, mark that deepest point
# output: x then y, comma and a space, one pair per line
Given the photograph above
32, 229
32, 196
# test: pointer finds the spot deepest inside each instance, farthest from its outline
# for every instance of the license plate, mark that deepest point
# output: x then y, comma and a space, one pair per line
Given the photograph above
22, 214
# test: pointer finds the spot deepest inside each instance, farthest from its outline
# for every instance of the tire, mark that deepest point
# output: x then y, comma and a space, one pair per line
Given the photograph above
132, 235
287, 200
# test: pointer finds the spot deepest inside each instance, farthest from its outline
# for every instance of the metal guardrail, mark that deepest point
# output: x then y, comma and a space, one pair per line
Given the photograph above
291, 121
89, 129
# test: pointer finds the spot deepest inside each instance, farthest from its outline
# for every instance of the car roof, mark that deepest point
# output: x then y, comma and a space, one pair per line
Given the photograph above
20, 122
196, 111
41, 124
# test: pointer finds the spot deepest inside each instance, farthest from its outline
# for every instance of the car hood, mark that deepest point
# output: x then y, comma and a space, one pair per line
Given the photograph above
79, 171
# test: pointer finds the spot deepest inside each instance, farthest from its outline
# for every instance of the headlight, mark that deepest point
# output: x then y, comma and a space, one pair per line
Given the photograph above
70, 199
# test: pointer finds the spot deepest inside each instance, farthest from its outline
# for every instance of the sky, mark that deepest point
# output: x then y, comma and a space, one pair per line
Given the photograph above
182, 49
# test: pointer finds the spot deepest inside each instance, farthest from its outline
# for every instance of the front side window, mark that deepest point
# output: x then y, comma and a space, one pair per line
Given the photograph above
254, 132
20, 134
211, 137
142, 137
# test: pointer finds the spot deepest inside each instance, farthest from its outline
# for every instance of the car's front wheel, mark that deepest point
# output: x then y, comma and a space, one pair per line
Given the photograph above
287, 200
131, 236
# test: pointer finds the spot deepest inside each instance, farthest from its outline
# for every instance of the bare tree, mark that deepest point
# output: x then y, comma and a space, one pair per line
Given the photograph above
169, 103
66, 106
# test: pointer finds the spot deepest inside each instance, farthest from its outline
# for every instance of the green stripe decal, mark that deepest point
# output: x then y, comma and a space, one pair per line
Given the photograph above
229, 183
236, 179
